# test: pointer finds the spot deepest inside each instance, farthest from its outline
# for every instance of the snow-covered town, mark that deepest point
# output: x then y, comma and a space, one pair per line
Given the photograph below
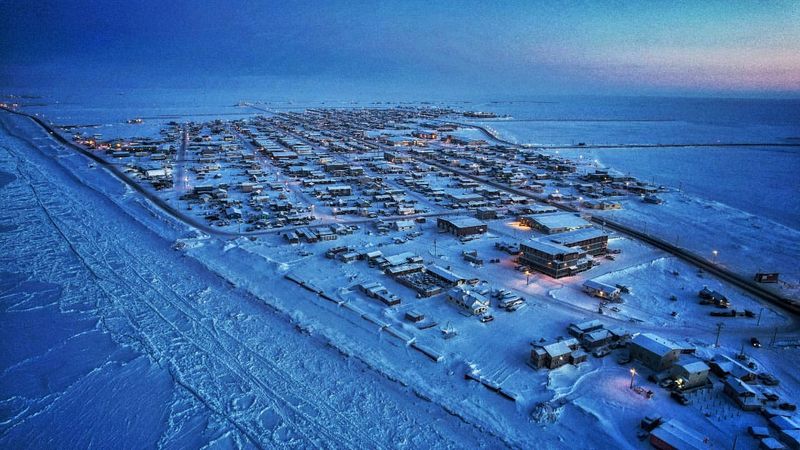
409, 225
494, 280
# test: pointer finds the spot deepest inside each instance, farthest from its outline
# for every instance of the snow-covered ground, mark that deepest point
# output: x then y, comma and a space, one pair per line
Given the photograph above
744, 242
117, 335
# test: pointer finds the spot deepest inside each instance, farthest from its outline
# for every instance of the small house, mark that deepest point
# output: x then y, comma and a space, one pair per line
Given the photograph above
597, 338
379, 292
404, 225
556, 354
601, 290
579, 329
723, 365
469, 301
233, 213
689, 373
741, 394
340, 190
414, 316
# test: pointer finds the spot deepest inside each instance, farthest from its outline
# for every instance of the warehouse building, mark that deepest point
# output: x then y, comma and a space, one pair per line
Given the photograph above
654, 352
461, 226
555, 223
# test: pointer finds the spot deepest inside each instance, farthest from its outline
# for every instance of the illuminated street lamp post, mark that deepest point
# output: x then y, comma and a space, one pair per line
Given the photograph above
715, 253
633, 374
527, 278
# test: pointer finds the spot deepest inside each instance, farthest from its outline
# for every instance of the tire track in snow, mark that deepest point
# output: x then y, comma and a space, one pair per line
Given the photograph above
100, 255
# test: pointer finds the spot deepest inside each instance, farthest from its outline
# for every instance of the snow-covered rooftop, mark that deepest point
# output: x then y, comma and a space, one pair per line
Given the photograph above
655, 344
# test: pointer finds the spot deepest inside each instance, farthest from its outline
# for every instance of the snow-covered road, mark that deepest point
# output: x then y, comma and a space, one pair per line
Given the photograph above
110, 338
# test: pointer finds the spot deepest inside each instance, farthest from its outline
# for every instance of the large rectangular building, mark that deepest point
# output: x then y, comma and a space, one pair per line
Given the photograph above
555, 223
592, 240
654, 352
462, 226
553, 259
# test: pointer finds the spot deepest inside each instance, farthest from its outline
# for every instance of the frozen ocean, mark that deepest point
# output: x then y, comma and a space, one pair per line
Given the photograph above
762, 180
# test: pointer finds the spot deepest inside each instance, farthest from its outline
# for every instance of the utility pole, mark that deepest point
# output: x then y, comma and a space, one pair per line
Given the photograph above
760, 311
719, 330
774, 336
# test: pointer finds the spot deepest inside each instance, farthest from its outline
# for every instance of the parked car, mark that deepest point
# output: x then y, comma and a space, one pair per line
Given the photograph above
601, 352
516, 306
680, 398
650, 423
768, 379
646, 393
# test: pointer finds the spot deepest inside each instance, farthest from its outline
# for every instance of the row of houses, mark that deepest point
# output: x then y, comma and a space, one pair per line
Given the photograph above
586, 336
321, 233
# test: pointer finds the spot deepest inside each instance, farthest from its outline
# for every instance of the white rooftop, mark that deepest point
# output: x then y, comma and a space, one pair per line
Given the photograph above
678, 435
577, 235
549, 248
561, 220
655, 344
464, 222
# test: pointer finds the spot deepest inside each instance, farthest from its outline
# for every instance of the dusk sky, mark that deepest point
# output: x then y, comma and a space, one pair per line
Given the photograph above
427, 48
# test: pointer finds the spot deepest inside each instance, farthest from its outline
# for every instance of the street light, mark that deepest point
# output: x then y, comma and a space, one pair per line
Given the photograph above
633, 374
715, 253
527, 278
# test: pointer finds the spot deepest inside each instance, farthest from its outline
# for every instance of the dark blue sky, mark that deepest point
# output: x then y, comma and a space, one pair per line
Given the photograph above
448, 47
